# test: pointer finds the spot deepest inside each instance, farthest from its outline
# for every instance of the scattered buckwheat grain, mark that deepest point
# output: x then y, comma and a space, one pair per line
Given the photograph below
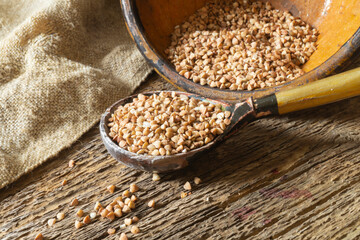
118, 212
126, 209
128, 221
39, 237
51, 222
109, 208
126, 193
241, 45
155, 177
121, 204
135, 230
131, 205
183, 194
104, 212
97, 206
80, 213
87, 219
187, 186
133, 198
197, 180
60, 216
127, 200
74, 202
78, 224
93, 215
135, 219
63, 183
71, 163
111, 216
111, 231
151, 203
123, 237
134, 188
111, 188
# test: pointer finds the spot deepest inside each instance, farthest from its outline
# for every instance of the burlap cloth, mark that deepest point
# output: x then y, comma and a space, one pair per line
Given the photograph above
62, 62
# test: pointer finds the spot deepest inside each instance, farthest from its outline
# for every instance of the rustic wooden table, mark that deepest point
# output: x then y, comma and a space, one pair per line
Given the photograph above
290, 177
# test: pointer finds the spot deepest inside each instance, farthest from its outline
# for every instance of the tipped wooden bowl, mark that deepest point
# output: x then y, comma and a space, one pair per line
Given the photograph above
150, 22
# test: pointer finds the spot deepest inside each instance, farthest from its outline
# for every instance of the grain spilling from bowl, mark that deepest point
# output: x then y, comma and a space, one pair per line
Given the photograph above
166, 124
241, 45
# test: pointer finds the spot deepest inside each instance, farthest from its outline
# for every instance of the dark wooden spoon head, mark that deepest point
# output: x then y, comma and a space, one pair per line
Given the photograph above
242, 113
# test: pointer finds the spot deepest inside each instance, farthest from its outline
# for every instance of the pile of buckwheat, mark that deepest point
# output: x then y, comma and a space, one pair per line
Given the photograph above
166, 124
241, 45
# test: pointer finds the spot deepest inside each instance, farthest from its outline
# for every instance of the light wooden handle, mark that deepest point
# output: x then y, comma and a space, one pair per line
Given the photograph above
327, 90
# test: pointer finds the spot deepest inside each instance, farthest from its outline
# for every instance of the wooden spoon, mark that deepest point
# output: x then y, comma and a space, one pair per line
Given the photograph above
328, 90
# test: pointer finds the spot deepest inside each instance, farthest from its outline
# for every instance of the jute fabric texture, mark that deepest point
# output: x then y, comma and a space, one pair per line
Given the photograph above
62, 62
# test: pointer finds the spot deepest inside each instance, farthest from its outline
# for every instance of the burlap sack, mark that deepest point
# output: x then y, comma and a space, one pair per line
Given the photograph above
62, 62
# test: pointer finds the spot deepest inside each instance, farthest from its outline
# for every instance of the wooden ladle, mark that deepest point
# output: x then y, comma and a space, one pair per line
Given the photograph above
328, 90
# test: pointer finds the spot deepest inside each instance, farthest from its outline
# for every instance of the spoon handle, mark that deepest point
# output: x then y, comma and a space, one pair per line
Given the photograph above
327, 90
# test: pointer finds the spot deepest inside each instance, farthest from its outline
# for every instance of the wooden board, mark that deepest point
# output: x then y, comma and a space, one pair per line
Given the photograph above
290, 177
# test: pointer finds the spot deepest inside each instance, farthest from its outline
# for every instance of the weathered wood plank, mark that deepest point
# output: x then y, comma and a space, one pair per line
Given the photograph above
295, 176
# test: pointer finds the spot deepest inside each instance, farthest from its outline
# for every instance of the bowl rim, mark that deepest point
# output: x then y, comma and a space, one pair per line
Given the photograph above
134, 25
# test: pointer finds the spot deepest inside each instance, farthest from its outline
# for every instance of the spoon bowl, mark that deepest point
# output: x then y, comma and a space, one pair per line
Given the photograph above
177, 161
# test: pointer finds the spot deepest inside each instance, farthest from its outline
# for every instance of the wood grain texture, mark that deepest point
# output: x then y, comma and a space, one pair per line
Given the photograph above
291, 177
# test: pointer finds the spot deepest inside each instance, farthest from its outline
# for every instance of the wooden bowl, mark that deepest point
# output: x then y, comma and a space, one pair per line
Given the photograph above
150, 22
